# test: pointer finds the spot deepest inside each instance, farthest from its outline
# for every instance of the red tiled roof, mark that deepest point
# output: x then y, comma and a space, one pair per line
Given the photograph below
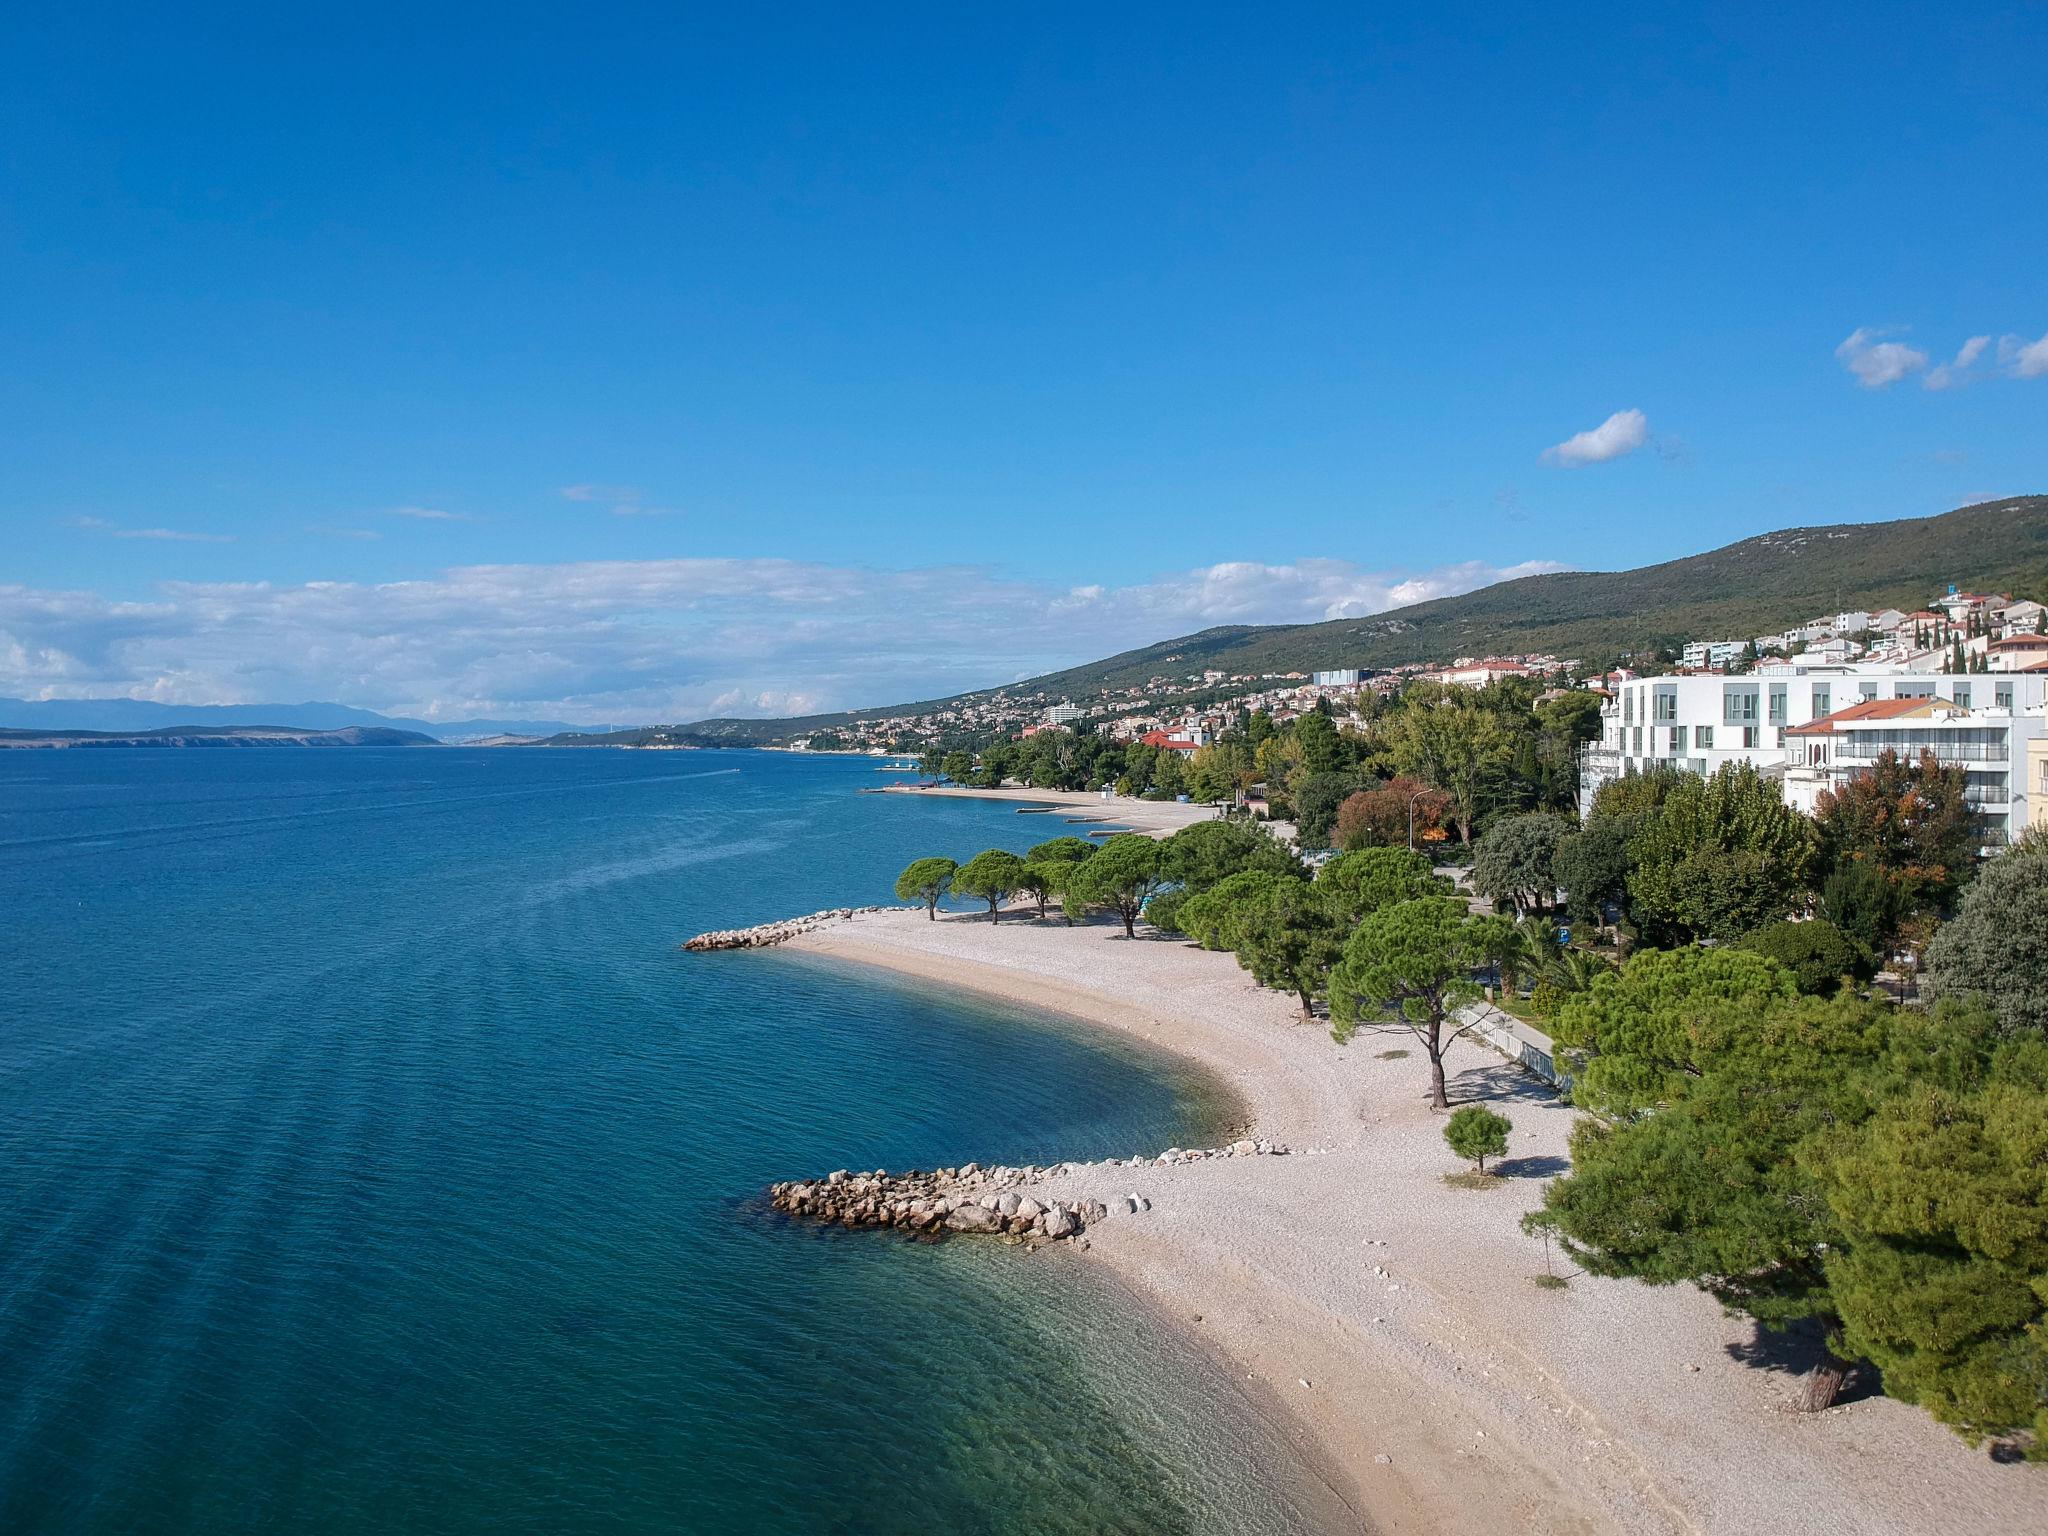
1866, 709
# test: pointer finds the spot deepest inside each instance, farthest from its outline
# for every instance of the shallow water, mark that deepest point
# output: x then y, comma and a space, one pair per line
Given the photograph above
371, 1158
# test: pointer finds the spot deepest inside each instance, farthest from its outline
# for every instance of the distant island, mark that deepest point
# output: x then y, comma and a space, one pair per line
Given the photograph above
222, 736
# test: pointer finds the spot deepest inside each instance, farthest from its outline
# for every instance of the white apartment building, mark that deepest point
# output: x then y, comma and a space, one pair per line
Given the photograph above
1991, 746
1063, 714
1340, 677
1701, 654
1701, 724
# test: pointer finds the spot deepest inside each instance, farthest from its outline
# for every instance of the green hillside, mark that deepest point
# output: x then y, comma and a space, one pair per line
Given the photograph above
1756, 586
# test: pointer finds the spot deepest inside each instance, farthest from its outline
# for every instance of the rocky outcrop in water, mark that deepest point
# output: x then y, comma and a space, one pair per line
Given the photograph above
996, 1200
762, 935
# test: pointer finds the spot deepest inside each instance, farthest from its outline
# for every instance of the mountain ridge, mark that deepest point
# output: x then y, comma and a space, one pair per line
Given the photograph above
1752, 586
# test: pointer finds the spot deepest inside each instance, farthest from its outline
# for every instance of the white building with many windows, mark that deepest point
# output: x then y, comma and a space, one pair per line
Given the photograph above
1700, 724
1990, 746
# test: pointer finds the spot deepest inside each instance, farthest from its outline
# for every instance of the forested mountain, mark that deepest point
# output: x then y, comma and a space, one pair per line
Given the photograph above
1748, 588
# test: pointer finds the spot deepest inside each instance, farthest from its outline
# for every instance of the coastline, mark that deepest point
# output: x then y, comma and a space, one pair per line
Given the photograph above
1155, 818
1395, 1323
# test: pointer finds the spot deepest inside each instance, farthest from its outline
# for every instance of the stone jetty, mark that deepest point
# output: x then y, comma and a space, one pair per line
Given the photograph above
995, 1200
762, 935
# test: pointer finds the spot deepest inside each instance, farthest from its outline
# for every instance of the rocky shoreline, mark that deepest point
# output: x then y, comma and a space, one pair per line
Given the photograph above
764, 935
973, 1199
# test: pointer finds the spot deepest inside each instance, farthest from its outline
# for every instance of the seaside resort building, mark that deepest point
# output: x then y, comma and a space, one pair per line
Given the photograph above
1773, 719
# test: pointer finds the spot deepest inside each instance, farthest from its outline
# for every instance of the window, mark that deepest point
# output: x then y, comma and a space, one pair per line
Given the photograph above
1820, 701
1639, 741
1628, 706
1665, 702
1749, 735
1703, 738
1867, 690
1777, 704
1962, 693
1738, 704
1678, 738
2001, 695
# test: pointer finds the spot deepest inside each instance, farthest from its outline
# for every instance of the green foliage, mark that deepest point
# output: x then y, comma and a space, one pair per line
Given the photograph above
958, 766
1723, 855
1858, 899
993, 876
1207, 852
1817, 953
1708, 1190
1121, 877
1515, 861
1414, 961
1321, 749
1317, 799
1592, 865
1636, 793
1163, 911
1997, 944
926, 881
1044, 879
1456, 745
1908, 818
1071, 849
1941, 1275
1477, 1133
1211, 918
1357, 884
1643, 1035
1286, 938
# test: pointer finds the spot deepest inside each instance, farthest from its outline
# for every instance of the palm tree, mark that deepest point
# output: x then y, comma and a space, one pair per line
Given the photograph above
1574, 970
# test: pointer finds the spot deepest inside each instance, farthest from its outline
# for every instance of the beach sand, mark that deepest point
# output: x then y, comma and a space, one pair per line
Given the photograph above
1398, 1319
1156, 818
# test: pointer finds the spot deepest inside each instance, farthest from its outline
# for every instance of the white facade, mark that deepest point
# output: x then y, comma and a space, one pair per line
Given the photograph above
1702, 654
1062, 714
1991, 746
1701, 724
1340, 677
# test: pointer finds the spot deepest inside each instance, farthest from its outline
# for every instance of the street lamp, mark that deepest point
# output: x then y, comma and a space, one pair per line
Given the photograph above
1411, 817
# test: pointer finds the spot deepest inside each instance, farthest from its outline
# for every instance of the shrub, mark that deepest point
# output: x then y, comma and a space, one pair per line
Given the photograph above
1817, 953
1476, 1132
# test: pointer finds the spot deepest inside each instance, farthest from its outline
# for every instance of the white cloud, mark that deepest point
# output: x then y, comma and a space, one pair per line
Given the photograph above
652, 640
1878, 364
2024, 359
435, 515
1623, 432
626, 500
166, 535
1948, 375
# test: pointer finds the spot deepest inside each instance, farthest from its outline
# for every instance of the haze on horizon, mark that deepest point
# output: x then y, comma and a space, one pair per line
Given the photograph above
636, 367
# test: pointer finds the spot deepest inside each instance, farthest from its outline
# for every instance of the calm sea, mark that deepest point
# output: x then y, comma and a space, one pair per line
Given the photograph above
371, 1159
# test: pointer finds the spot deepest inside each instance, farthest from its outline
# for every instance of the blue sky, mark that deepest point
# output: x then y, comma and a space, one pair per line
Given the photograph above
824, 356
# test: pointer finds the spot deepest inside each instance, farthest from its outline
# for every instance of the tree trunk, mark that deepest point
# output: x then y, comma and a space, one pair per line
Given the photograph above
931, 910
1308, 1005
1130, 923
1823, 1383
1438, 1098
994, 915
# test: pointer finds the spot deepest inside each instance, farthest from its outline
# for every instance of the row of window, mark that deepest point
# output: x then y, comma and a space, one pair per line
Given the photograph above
1741, 702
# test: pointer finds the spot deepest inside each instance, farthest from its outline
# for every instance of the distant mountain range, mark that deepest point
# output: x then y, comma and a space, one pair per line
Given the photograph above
138, 715
1757, 586
220, 736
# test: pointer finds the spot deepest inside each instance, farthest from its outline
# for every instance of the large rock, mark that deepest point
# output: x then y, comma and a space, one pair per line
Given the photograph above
1060, 1222
974, 1218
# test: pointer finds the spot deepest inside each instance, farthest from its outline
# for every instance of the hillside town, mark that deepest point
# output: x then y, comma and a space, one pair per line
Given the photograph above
1965, 676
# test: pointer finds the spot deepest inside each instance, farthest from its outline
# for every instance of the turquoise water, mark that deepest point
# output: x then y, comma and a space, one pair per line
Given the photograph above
371, 1159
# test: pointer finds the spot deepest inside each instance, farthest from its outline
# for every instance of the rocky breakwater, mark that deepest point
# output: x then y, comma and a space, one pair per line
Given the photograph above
762, 935
997, 1201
